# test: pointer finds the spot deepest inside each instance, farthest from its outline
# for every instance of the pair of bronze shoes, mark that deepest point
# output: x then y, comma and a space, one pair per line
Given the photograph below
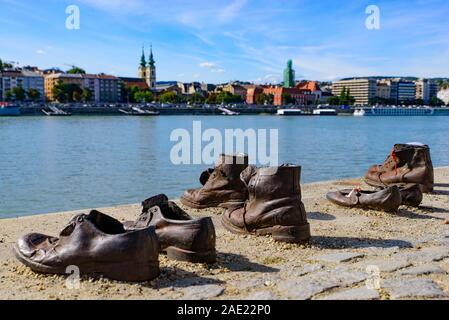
99, 244
260, 201
387, 199
402, 179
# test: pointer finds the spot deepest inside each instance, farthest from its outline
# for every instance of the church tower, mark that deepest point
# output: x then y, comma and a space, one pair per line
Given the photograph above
142, 72
151, 71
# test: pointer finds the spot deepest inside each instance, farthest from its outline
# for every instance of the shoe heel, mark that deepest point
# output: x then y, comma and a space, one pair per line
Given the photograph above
208, 257
290, 234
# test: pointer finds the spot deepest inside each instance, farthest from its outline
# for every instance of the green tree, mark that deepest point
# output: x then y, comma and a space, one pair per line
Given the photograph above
65, 92
33, 94
434, 101
419, 102
76, 70
86, 95
132, 93
143, 96
1, 65
212, 98
333, 101
264, 98
77, 96
19, 93
59, 92
287, 98
228, 97
9, 96
169, 97
196, 98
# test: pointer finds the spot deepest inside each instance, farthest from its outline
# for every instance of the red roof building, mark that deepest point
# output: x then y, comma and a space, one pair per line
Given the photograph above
300, 97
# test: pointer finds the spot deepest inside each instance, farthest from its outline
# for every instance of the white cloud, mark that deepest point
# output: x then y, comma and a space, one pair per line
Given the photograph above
207, 65
213, 67
41, 52
231, 10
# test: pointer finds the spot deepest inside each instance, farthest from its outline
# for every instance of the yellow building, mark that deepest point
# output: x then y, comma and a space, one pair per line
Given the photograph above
52, 79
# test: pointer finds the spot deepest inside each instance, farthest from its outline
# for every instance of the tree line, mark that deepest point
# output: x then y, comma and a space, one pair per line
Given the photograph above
136, 95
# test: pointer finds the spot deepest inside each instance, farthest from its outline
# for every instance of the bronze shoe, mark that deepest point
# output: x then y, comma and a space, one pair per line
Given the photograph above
388, 199
222, 186
274, 206
96, 244
407, 163
411, 195
180, 236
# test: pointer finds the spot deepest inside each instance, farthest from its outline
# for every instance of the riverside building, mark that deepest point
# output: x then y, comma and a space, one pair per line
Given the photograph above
363, 90
104, 88
25, 78
406, 91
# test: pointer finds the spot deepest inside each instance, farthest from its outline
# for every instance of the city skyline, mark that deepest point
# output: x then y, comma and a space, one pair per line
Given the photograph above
239, 40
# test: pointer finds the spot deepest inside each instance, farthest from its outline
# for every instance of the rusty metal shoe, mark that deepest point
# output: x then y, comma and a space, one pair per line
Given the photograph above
411, 195
407, 163
388, 199
180, 236
96, 244
274, 206
222, 186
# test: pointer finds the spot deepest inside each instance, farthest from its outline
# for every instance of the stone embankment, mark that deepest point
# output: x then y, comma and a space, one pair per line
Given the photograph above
354, 254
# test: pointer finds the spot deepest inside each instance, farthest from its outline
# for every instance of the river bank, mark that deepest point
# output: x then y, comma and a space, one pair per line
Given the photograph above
115, 110
403, 255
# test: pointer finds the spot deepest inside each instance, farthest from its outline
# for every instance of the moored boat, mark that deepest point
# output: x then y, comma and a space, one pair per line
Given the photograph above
290, 112
7, 109
324, 112
400, 111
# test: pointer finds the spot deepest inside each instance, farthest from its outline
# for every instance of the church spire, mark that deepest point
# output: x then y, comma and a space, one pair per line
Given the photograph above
151, 62
143, 63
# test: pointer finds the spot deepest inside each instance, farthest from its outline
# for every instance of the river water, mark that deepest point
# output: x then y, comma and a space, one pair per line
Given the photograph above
67, 163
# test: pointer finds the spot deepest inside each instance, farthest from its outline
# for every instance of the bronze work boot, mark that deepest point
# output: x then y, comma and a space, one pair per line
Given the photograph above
96, 244
180, 236
222, 186
388, 199
407, 163
274, 206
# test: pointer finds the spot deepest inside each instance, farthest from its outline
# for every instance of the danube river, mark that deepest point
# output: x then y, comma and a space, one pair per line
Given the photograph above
57, 164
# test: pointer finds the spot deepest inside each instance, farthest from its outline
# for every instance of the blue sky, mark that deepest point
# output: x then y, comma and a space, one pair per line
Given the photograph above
217, 41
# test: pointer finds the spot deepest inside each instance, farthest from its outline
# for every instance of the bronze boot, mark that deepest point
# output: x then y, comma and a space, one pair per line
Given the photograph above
274, 206
222, 186
407, 163
96, 244
180, 236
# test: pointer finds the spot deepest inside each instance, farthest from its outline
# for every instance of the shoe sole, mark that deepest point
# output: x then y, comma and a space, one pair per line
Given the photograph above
114, 270
208, 257
289, 234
